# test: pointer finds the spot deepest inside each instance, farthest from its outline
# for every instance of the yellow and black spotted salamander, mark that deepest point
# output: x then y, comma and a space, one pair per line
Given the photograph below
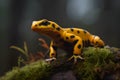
72, 40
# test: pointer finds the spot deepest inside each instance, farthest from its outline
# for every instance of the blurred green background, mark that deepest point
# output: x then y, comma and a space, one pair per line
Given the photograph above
100, 17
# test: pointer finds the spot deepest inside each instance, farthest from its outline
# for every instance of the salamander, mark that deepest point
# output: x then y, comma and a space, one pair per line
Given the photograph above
72, 40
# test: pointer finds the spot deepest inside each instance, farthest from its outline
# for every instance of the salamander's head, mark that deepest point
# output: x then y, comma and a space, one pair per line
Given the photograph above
97, 42
45, 26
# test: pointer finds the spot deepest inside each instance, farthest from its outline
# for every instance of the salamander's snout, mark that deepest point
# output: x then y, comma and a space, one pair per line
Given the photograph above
34, 25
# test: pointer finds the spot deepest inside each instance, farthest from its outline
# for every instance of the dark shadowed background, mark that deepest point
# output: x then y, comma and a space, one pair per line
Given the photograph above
100, 17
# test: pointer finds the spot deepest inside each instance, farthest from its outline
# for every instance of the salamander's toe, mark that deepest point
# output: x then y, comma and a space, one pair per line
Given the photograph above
50, 59
75, 57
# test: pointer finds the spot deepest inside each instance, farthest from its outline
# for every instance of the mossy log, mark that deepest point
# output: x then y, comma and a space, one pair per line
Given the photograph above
99, 64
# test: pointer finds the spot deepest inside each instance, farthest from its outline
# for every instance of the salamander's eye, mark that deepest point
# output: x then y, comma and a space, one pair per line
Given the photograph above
44, 23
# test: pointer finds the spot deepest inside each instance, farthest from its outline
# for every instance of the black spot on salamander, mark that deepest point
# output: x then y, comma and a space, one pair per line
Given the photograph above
44, 23
54, 47
58, 28
53, 25
79, 46
72, 29
78, 32
96, 42
52, 54
75, 41
36, 25
72, 36
84, 31
67, 38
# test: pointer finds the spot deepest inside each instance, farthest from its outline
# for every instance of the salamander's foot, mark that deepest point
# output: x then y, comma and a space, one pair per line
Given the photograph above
50, 59
75, 57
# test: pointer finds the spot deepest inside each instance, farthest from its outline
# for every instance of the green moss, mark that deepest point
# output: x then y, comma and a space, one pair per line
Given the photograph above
97, 62
35, 71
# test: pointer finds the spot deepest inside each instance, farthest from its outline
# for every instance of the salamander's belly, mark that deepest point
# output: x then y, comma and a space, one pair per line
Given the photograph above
67, 46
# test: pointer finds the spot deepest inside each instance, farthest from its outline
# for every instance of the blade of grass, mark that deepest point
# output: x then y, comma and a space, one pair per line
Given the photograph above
18, 49
26, 49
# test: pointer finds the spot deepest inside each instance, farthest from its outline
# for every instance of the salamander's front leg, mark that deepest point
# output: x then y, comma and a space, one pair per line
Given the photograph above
77, 51
78, 46
52, 53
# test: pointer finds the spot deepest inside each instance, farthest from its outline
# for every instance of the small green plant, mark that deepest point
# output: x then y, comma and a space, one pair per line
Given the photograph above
23, 51
29, 57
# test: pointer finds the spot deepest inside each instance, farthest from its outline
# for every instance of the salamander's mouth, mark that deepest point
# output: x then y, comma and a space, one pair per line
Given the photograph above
34, 26
42, 30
